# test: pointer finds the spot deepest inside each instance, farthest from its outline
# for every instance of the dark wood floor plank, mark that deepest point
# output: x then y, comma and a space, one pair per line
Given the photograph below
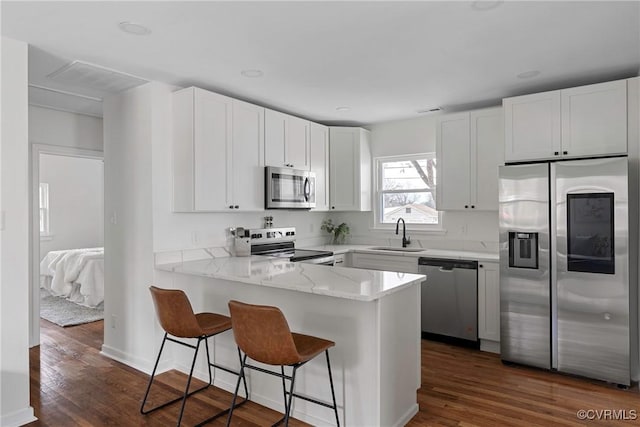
73, 385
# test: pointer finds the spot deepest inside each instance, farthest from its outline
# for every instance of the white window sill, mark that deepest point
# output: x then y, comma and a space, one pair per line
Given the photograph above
409, 229
46, 237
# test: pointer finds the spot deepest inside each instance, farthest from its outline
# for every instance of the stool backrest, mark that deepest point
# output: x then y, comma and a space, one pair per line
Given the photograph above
262, 332
175, 313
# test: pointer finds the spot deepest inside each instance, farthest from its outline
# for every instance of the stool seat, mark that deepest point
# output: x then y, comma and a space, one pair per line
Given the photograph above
309, 347
212, 323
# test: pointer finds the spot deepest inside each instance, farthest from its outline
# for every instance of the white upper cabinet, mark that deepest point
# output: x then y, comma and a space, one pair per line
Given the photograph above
218, 153
286, 141
248, 156
469, 149
532, 126
594, 119
453, 151
583, 121
349, 169
319, 145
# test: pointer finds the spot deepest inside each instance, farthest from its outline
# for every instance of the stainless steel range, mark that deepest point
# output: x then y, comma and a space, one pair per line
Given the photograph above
280, 242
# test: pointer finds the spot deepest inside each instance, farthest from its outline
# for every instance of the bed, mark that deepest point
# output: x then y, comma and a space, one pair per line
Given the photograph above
75, 274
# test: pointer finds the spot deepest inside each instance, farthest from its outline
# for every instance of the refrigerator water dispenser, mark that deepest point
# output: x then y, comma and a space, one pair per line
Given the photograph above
523, 250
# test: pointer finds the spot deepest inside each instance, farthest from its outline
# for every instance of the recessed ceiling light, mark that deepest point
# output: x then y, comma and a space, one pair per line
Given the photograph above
528, 74
252, 73
429, 110
133, 28
485, 4
343, 108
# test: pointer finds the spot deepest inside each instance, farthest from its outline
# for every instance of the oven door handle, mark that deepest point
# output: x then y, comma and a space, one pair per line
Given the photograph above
307, 189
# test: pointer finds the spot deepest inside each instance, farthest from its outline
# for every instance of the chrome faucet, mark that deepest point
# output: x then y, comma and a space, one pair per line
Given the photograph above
405, 240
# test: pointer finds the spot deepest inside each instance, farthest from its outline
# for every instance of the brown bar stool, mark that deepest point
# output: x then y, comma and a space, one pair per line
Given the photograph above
263, 334
177, 318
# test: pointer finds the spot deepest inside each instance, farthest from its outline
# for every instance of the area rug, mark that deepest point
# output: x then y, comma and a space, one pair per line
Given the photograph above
66, 313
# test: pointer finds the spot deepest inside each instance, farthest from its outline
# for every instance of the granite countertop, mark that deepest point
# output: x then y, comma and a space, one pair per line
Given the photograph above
340, 282
432, 253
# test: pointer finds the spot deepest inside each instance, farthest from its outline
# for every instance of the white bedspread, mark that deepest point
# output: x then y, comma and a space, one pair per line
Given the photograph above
76, 274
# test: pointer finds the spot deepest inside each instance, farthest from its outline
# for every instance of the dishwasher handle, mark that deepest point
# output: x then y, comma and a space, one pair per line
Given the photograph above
447, 265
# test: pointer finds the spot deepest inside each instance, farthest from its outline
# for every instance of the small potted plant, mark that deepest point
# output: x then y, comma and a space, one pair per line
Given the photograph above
338, 232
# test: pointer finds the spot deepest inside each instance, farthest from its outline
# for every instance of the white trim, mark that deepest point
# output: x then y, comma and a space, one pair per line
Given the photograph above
378, 225
34, 226
65, 110
18, 418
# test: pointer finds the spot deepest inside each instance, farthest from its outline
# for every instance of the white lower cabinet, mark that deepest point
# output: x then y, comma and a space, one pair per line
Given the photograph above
384, 262
489, 301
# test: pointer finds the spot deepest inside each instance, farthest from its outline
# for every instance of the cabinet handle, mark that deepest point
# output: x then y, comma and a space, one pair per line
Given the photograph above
466, 206
556, 153
236, 207
230, 206
565, 152
480, 266
473, 206
333, 207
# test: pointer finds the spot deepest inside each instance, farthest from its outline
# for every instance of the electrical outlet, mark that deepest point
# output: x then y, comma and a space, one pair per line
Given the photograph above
113, 321
311, 227
194, 237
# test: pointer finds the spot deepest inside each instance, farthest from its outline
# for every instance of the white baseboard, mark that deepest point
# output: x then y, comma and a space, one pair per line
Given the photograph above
490, 346
404, 420
142, 365
18, 418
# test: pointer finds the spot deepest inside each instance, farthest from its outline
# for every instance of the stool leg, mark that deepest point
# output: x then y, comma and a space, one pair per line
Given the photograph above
235, 393
186, 390
284, 388
288, 407
153, 374
244, 379
206, 344
333, 394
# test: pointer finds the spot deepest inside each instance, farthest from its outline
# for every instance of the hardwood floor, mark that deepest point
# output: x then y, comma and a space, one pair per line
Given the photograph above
73, 385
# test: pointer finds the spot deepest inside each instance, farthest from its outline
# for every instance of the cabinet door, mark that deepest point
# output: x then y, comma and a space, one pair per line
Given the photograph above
212, 151
489, 301
369, 261
594, 119
344, 169
274, 138
453, 166
319, 149
532, 127
297, 143
487, 153
248, 156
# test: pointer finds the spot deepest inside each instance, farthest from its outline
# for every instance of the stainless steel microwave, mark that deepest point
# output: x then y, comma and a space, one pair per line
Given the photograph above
287, 188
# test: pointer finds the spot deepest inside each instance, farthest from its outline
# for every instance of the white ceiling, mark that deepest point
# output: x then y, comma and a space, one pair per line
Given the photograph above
385, 60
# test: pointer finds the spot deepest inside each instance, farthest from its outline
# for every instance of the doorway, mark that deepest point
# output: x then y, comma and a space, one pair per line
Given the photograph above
67, 236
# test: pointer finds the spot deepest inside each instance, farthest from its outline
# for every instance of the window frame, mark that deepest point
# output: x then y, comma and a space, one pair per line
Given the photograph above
379, 192
44, 210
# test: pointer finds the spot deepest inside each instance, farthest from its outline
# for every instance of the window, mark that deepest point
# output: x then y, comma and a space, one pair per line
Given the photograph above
44, 209
407, 190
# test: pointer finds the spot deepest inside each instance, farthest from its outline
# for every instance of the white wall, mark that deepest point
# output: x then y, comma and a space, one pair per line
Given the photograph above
14, 237
53, 127
76, 207
128, 243
464, 230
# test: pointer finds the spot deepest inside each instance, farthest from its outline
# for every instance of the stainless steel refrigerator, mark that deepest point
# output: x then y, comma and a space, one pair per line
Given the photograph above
564, 267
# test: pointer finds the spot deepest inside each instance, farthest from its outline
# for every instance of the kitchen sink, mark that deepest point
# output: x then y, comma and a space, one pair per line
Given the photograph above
392, 248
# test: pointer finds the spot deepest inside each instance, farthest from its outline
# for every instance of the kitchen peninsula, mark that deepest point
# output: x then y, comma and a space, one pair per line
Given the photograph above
373, 317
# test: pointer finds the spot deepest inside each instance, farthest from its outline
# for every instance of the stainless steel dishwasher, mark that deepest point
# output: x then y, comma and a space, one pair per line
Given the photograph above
449, 298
